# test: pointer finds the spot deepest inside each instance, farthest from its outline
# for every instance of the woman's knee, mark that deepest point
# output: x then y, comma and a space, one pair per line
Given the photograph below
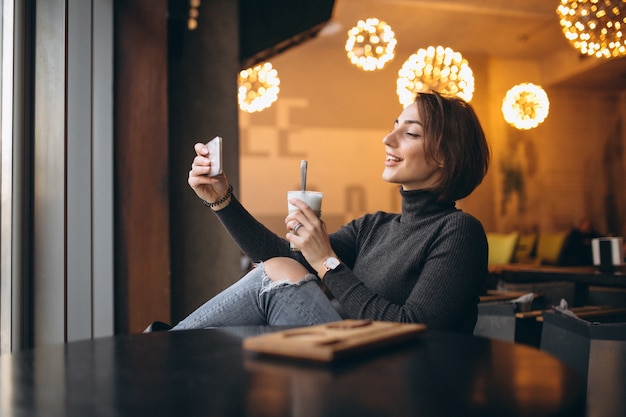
285, 269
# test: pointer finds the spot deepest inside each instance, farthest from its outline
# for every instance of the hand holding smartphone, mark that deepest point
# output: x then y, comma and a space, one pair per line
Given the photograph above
215, 155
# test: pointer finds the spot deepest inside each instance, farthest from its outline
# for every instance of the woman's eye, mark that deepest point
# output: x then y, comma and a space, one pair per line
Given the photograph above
414, 135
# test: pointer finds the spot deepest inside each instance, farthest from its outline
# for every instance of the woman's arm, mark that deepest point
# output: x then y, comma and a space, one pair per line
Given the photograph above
447, 280
255, 240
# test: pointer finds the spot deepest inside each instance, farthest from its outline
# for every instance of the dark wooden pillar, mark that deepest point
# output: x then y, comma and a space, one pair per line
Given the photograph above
203, 69
141, 153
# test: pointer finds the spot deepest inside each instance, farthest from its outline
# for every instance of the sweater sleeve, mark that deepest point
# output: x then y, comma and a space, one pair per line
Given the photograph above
253, 238
447, 285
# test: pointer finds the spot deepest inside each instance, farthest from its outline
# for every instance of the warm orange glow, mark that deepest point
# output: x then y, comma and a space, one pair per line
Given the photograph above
594, 27
370, 44
435, 68
258, 87
192, 21
525, 106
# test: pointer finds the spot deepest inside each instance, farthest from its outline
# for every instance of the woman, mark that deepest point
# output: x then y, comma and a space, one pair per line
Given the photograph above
425, 265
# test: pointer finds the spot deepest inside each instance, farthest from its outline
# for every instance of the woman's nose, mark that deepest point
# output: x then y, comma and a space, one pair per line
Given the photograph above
388, 139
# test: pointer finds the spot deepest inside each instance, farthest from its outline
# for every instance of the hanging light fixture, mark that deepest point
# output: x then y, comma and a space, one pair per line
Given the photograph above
525, 106
370, 44
435, 68
258, 87
594, 26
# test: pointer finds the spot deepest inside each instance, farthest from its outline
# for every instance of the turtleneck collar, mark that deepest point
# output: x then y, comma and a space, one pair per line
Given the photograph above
418, 204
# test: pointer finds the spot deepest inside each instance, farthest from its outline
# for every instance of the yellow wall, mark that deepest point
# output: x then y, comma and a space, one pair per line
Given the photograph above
335, 116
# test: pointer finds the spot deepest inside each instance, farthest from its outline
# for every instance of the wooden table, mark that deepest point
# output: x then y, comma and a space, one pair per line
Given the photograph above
582, 276
207, 373
587, 275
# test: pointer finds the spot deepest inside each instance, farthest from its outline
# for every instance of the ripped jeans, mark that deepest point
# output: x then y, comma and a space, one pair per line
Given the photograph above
256, 300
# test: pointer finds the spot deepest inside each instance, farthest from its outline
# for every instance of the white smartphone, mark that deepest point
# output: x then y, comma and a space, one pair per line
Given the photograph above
215, 155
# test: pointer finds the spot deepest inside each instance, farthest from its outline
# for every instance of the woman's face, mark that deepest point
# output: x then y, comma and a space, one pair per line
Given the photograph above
406, 160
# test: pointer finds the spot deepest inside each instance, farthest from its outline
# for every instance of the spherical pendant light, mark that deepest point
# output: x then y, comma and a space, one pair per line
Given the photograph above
435, 68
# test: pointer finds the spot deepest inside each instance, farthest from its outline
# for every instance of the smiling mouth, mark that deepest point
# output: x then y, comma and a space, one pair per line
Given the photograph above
391, 158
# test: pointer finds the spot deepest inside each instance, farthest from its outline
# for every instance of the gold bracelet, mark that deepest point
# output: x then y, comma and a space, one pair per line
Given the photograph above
222, 200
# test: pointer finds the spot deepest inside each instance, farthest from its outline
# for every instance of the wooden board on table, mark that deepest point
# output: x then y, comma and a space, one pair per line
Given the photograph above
496, 295
327, 342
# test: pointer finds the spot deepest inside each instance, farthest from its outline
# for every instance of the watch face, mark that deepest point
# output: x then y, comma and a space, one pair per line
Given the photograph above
331, 263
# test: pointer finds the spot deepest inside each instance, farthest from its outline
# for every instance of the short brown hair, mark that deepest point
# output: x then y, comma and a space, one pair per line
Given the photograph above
455, 140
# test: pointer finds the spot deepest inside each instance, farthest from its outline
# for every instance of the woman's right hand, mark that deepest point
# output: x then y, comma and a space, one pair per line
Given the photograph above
209, 189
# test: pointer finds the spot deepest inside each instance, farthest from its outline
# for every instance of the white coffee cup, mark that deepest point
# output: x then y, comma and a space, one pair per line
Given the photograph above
312, 198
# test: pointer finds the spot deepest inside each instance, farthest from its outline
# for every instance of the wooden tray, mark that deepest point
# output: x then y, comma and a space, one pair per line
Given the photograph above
328, 342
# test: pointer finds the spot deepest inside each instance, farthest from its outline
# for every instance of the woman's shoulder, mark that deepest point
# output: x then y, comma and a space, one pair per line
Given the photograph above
462, 215
377, 217
462, 219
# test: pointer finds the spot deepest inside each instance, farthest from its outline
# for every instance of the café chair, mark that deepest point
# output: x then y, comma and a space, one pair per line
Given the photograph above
157, 326
548, 252
550, 247
497, 317
552, 292
525, 251
598, 295
501, 247
593, 344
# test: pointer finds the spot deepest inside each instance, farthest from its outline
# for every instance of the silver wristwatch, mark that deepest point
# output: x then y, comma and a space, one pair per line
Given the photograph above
331, 263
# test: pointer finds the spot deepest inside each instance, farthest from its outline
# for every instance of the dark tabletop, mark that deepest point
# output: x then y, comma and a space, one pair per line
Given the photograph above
206, 373
587, 275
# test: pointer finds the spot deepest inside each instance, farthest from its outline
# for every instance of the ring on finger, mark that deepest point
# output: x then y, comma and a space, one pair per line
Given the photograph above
296, 228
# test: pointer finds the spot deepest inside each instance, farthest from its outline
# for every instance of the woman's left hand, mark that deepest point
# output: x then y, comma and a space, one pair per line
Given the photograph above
311, 238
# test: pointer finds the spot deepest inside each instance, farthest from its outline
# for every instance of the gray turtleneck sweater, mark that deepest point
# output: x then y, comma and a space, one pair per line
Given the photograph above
425, 265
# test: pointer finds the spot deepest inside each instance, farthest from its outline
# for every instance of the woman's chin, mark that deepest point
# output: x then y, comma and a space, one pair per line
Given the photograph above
389, 175
390, 179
